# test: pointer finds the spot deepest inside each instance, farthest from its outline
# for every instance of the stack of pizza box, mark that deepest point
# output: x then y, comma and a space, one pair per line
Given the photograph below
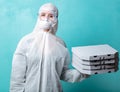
95, 59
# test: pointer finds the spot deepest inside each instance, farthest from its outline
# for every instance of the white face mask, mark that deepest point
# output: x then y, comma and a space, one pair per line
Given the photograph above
45, 25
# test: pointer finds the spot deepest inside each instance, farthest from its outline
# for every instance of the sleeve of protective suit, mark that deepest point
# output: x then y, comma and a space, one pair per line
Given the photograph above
71, 75
18, 68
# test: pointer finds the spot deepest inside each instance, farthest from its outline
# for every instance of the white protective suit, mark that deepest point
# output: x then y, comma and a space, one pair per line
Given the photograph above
41, 61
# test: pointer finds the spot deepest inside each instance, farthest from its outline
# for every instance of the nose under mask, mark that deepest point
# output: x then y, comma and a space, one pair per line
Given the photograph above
45, 25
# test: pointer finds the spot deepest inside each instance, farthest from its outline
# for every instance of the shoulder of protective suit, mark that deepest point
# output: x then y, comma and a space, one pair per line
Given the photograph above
23, 44
26, 39
61, 41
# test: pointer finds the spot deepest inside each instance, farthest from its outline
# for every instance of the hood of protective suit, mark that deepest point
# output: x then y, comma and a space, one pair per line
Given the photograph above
41, 25
42, 38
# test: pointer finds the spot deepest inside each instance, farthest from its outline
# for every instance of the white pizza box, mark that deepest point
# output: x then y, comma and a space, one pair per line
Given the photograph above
95, 52
93, 67
95, 71
95, 62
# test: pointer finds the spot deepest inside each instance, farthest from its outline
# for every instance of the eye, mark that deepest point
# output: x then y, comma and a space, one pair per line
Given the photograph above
43, 14
51, 16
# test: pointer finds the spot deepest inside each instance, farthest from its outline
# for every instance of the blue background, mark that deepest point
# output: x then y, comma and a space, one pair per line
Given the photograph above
81, 22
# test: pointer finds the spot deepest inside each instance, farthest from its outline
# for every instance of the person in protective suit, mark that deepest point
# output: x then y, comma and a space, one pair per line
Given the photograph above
41, 58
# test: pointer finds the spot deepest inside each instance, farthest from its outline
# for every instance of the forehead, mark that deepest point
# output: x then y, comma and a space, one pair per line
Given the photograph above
47, 12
